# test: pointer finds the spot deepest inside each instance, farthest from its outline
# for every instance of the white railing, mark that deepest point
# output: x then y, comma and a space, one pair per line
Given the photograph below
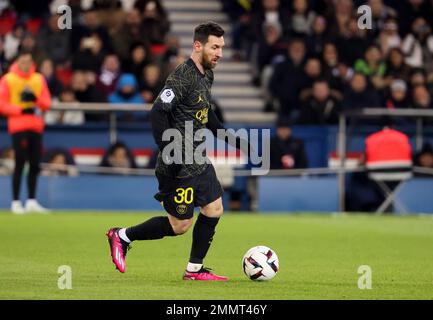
110, 108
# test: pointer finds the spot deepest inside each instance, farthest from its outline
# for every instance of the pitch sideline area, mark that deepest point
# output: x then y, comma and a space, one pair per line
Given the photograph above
320, 257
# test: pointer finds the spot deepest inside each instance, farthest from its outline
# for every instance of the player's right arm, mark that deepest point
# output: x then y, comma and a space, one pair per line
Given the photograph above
175, 89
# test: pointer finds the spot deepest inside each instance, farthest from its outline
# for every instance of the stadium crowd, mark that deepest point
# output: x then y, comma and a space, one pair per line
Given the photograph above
109, 55
312, 60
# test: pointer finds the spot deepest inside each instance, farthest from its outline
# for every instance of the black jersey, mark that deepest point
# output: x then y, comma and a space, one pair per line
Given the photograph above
186, 99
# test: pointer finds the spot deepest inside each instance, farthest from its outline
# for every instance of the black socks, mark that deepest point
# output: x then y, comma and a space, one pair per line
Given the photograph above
202, 237
160, 227
154, 228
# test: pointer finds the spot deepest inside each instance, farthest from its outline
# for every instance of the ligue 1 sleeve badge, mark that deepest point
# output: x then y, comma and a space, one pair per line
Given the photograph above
167, 95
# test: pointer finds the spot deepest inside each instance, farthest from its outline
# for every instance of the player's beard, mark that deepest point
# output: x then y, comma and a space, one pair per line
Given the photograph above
206, 62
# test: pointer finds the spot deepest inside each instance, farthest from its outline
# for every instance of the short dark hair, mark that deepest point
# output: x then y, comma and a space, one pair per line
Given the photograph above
24, 52
204, 30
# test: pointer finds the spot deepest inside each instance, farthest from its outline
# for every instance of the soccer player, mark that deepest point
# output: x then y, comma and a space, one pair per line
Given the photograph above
185, 98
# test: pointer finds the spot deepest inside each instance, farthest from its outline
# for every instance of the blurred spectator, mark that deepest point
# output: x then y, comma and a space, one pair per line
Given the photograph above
318, 37
349, 38
54, 41
389, 38
320, 106
271, 50
418, 77
337, 73
410, 10
109, 75
358, 95
111, 13
151, 83
69, 117
12, 41
421, 98
129, 33
7, 161
28, 43
84, 91
380, 16
240, 15
60, 163
139, 57
340, 16
396, 66
127, 92
312, 72
284, 83
372, 66
46, 68
118, 156
270, 47
270, 12
301, 19
398, 95
90, 55
173, 56
418, 46
90, 27
287, 152
154, 20
424, 158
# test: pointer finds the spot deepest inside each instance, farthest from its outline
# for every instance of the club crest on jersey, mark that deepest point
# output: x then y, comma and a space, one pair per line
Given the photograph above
201, 115
167, 95
181, 209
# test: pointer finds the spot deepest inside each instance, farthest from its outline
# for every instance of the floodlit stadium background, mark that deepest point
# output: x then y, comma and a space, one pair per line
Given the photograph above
280, 58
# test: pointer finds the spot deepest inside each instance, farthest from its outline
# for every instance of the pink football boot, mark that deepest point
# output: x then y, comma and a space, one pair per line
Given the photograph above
118, 249
204, 274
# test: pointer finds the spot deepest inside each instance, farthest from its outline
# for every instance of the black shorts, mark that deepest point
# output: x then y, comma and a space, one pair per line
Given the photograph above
179, 197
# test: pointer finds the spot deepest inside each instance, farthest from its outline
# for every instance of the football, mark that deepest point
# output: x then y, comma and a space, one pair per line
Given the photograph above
260, 263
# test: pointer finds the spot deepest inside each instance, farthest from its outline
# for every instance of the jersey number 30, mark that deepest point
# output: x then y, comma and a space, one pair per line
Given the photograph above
184, 195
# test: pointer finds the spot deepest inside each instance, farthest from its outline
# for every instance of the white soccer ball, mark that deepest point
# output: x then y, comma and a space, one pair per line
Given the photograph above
260, 263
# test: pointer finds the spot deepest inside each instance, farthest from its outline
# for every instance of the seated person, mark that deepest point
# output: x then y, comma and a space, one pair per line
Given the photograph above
127, 92
424, 159
287, 152
119, 156
7, 161
60, 163
321, 106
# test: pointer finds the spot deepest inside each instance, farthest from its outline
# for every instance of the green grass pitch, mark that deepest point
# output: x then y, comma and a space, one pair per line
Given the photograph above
319, 257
